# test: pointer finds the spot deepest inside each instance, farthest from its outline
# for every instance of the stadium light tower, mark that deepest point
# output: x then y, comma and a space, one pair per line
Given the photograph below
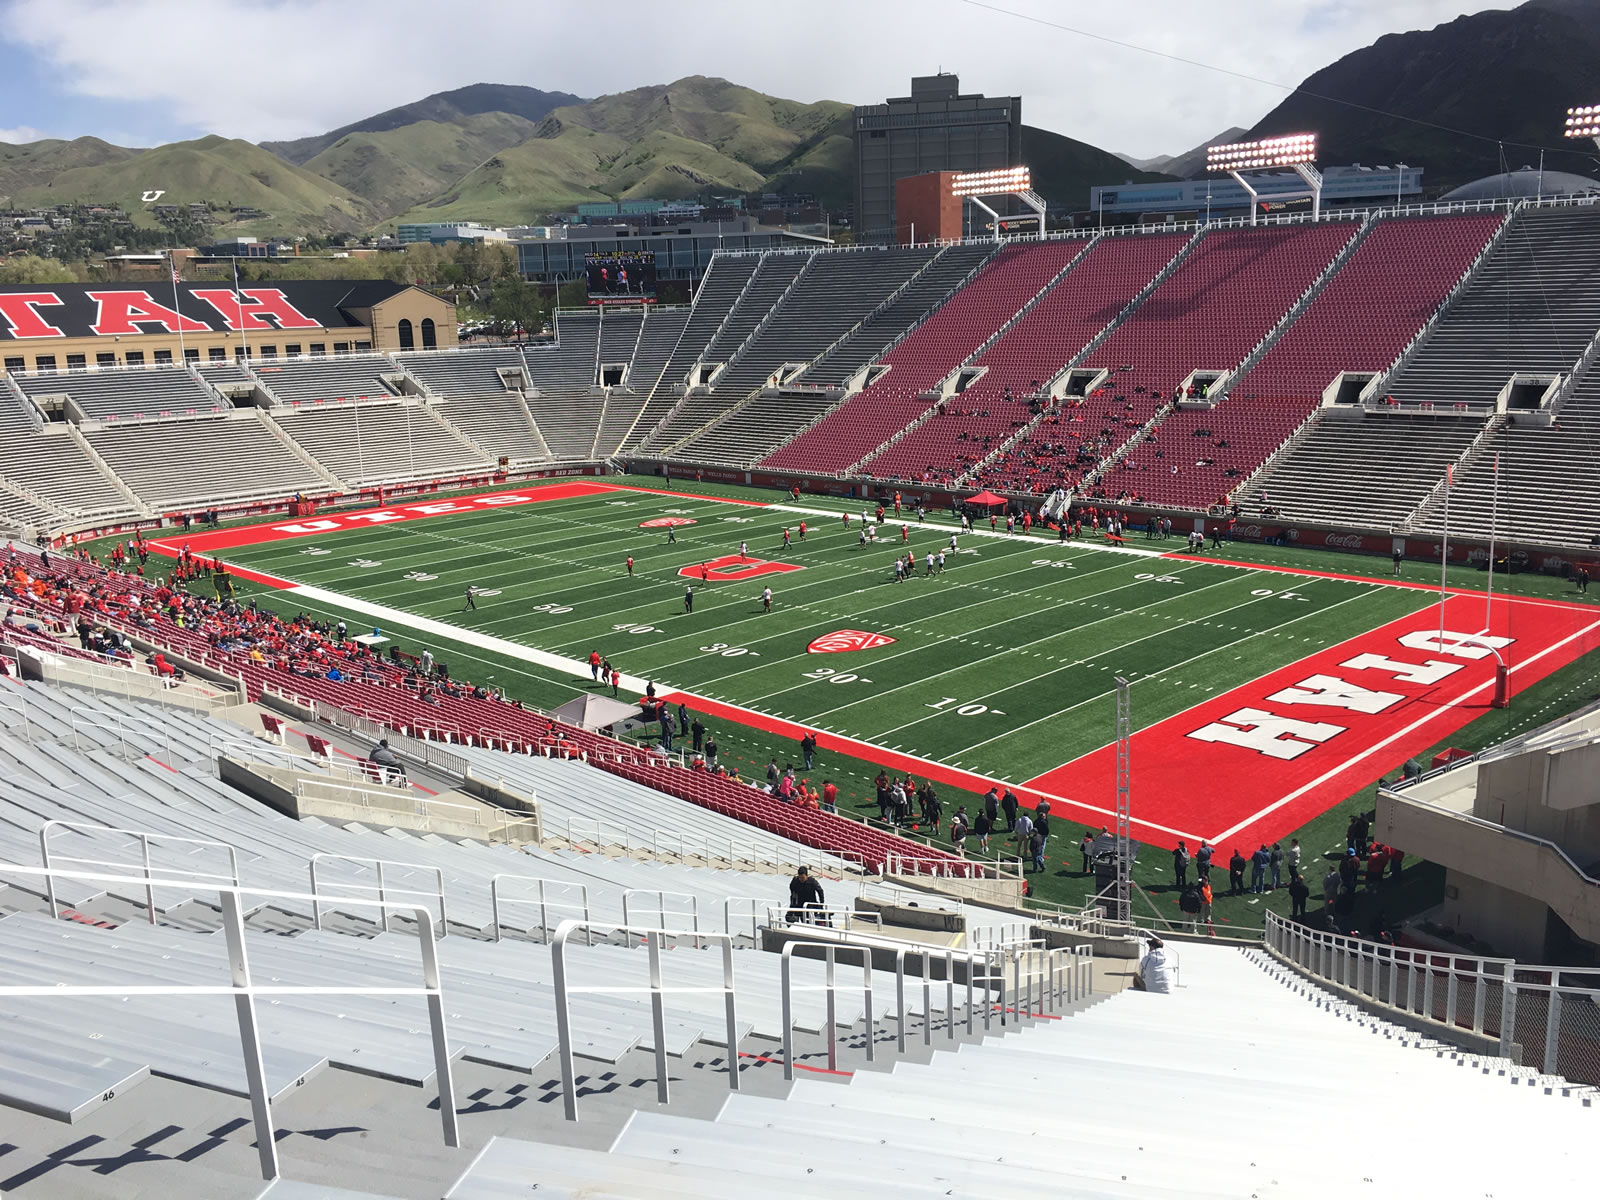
1004, 181
1584, 122
1295, 150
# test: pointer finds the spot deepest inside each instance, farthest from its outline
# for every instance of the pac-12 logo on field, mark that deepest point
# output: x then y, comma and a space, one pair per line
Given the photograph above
663, 522
731, 566
847, 639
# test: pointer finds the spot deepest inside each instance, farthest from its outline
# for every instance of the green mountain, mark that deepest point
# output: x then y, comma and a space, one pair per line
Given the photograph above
34, 164
1506, 77
395, 169
682, 139
1063, 170
444, 108
220, 172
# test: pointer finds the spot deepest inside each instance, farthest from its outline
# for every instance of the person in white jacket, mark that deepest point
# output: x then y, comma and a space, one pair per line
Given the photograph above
1155, 971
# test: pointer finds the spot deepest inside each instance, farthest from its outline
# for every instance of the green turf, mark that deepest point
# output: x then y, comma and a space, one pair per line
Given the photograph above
1036, 645
1003, 664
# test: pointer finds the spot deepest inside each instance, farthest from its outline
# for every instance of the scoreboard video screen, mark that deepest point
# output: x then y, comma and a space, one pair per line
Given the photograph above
621, 276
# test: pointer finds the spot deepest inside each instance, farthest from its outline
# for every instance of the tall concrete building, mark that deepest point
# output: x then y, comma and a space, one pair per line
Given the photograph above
936, 128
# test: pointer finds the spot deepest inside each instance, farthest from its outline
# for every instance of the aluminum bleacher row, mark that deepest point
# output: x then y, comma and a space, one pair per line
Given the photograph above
1533, 306
999, 1121
1520, 481
775, 275
720, 288
565, 400
341, 377
110, 394
373, 443
175, 464
497, 724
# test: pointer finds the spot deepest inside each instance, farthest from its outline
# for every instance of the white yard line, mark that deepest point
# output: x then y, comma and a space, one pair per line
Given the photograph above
571, 666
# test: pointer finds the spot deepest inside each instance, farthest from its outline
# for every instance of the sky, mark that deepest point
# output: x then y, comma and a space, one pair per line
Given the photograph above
143, 72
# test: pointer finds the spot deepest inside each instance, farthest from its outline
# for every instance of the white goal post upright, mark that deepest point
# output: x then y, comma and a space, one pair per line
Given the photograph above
1124, 782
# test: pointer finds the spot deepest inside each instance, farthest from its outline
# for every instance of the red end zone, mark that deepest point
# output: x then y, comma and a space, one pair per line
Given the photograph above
1257, 762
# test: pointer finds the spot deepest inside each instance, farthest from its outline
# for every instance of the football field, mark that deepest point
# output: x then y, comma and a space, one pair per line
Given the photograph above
1255, 691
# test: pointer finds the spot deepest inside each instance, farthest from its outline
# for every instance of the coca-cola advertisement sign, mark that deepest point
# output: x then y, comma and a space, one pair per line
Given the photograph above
1344, 541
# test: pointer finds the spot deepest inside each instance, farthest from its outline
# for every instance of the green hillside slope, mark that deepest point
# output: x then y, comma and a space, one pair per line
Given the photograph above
218, 171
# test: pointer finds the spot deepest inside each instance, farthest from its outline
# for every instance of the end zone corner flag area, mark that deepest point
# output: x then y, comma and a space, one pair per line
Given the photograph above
1258, 694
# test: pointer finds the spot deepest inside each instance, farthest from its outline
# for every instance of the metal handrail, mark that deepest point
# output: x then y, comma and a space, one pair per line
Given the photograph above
544, 903
662, 912
830, 987
382, 887
245, 992
658, 992
144, 859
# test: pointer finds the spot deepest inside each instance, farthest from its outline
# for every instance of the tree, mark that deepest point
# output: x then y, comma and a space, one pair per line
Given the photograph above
30, 268
513, 305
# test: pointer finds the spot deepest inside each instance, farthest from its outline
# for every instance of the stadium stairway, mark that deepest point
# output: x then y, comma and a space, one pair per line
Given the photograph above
1234, 1085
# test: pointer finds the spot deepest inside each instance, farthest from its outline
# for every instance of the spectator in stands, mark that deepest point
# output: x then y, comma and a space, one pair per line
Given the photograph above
830, 796
389, 764
1154, 973
805, 893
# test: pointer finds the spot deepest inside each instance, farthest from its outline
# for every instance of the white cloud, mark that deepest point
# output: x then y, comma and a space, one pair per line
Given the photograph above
264, 69
20, 134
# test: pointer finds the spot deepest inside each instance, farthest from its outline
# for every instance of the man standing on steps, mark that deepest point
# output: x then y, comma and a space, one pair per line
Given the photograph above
804, 893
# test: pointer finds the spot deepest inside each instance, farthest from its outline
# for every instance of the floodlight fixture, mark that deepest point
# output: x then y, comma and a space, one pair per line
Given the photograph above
1584, 121
1297, 151
1000, 182
1283, 151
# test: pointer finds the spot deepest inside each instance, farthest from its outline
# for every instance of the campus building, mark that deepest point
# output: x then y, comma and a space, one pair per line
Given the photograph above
74, 326
935, 128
